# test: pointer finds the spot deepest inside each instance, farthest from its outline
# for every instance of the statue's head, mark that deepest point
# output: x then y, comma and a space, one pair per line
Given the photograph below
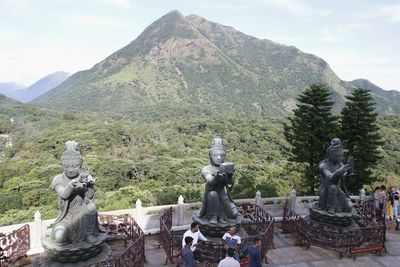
71, 160
217, 152
335, 151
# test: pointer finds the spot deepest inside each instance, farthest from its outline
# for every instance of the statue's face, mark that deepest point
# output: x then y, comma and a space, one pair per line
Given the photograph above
71, 167
217, 156
337, 156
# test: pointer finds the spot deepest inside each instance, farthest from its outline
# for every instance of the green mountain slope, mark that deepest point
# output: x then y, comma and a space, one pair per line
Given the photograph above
387, 102
189, 61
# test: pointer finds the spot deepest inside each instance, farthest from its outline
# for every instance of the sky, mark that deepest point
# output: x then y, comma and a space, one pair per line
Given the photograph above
358, 38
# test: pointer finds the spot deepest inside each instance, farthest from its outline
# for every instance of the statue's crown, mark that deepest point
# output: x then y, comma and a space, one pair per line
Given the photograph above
217, 143
336, 144
71, 150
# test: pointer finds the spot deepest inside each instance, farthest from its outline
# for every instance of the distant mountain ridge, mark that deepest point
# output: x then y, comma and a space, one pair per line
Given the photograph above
188, 60
387, 101
40, 87
10, 87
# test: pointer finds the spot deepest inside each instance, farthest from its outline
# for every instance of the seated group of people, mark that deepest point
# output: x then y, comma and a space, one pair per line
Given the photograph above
231, 242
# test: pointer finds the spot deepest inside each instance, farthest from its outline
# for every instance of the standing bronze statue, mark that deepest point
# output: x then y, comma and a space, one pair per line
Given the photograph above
218, 212
334, 204
76, 234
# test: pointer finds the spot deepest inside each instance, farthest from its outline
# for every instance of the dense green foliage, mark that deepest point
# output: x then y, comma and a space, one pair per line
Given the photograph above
310, 131
154, 161
154, 155
360, 136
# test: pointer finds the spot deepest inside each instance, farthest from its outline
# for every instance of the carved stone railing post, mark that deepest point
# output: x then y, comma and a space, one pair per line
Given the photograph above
257, 199
36, 235
362, 194
139, 213
292, 200
181, 211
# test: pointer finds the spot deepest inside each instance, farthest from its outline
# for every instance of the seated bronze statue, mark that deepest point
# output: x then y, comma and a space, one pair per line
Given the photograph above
333, 195
218, 206
76, 234
77, 220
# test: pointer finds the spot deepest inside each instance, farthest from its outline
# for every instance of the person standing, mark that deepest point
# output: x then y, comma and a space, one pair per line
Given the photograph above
229, 261
254, 253
232, 240
187, 253
195, 233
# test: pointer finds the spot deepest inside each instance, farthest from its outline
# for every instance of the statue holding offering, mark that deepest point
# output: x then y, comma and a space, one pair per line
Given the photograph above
218, 212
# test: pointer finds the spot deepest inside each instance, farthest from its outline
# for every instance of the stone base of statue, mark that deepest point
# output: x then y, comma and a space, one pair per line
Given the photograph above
338, 218
219, 229
75, 253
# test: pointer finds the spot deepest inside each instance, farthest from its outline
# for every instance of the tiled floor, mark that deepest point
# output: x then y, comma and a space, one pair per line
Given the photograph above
287, 254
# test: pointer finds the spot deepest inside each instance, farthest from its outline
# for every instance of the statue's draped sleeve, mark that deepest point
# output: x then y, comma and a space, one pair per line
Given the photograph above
62, 202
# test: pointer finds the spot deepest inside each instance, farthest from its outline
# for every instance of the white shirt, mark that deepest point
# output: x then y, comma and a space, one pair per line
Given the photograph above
232, 241
229, 262
196, 236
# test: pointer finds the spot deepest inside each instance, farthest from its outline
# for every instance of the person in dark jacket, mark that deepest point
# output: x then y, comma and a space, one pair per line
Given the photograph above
187, 253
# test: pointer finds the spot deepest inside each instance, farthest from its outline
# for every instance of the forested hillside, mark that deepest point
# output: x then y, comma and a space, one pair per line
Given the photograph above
151, 159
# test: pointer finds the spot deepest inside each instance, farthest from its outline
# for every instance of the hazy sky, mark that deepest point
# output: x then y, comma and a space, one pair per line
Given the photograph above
358, 38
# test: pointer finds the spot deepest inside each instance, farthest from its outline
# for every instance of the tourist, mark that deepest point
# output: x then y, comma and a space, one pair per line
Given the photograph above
229, 261
390, 203
195, 233
187, 253
232, 240
381, 199
375, 197
254, 253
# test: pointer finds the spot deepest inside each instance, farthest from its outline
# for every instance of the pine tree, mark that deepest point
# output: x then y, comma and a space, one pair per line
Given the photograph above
359, 132
310, 131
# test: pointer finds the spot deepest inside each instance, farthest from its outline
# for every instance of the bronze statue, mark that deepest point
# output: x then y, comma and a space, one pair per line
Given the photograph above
76, 235
218, 212
77, 220
333, 195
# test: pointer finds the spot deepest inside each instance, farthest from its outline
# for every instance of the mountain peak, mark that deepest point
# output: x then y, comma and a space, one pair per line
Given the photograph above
191, 60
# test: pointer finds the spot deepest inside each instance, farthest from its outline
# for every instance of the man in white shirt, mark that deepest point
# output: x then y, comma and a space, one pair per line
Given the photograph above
195, 233
232, 240
229, 261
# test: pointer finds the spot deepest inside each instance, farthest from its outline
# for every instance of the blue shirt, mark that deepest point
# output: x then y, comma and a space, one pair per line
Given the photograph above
187, 257
254, 255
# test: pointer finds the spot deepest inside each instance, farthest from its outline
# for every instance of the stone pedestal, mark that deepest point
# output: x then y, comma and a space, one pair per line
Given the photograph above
338, 218
103, 255
216, 230
73, 252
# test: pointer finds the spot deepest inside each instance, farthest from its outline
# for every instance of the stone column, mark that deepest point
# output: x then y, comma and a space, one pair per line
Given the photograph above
36, 235
292, 200
181, 211
139, 213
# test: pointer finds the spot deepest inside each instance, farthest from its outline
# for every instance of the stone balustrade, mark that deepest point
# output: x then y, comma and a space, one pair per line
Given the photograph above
148, 217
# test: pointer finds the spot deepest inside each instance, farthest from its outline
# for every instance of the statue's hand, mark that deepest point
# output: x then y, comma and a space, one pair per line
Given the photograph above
75, 183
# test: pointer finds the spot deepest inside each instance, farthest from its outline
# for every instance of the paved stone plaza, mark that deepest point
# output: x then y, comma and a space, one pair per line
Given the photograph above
287, 254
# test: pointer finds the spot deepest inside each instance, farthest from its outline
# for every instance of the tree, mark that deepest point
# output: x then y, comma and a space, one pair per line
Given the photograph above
310, 131
359, 132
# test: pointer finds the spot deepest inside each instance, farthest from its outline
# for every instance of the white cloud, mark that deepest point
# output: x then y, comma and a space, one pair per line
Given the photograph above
299, 8
388, 13
85, 20
120, 3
